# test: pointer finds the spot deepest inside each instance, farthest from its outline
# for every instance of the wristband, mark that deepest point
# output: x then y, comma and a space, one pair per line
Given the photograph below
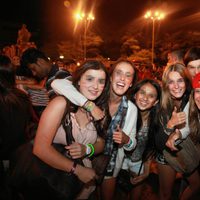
129, 143
88, 149
168, 131
89, 106
73, 168
92, 149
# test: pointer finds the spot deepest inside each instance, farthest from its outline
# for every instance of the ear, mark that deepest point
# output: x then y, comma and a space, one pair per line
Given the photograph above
155, 102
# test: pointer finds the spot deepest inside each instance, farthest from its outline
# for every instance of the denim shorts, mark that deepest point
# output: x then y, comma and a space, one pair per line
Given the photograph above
128, 164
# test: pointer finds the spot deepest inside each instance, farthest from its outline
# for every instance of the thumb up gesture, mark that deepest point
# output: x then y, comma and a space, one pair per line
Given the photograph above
177, 118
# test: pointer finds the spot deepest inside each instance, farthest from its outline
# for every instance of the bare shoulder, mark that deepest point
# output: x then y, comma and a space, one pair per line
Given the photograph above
58, 103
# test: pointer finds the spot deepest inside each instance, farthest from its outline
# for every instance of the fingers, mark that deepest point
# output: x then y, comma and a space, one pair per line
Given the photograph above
76, 150
97, 113
175, 109
117, 137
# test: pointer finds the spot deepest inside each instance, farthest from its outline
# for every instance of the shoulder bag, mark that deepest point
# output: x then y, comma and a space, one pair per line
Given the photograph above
186, 159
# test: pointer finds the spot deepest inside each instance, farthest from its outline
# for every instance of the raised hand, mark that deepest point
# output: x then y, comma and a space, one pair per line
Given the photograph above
177, 118
119, 136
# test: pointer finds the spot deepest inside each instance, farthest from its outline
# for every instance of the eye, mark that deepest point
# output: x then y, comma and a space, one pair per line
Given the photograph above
128, 75
170, 82
102, 81
89, 78
152, 96
118, 72
141, 91
181, 80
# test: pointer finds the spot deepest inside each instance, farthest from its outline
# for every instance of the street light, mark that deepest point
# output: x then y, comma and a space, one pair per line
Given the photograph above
153, 16
86, 18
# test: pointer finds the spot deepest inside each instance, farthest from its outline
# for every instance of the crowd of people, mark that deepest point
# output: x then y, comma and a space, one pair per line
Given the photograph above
121, 111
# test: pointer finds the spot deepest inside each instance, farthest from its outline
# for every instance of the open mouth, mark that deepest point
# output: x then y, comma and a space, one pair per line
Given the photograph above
122, 85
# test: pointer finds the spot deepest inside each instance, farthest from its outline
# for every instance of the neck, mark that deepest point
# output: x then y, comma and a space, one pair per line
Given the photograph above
114, 98
145, 116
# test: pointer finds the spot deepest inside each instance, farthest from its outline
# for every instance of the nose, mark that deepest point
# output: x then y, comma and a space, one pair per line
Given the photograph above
145, 97
197, 70
175, 85
96, 84
122, 76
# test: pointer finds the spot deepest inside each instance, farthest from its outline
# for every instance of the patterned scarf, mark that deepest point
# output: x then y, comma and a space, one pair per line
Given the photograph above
111, 148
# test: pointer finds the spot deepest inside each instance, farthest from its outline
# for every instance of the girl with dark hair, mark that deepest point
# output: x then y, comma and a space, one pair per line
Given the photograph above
145, 95
119, 121
91, 80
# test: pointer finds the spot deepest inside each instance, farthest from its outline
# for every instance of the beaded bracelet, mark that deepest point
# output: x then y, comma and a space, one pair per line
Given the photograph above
89, 106
92, 149
73, 168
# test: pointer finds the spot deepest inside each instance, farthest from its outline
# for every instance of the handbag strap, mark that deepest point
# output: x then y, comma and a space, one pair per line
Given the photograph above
67, 125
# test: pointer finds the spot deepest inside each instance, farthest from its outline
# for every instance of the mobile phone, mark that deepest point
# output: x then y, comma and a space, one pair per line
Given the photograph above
177, 142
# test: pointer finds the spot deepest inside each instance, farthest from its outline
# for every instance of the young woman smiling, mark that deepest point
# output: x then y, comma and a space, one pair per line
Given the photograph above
145, 95
121, 116
173, 124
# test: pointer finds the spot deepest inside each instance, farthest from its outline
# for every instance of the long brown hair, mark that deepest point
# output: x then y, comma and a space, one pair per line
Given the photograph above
167, 103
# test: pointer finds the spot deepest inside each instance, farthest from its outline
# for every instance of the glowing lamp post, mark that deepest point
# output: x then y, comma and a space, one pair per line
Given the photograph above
153, 16
86, 18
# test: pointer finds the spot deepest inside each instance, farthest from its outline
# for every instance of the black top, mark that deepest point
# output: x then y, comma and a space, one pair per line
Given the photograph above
16, 121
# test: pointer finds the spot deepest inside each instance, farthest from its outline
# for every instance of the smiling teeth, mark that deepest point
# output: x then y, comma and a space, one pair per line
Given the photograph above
121, 84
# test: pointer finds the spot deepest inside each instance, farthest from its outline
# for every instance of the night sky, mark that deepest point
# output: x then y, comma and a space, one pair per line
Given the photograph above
50, 20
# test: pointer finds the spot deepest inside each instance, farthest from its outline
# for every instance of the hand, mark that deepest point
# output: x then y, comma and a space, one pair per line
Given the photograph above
85, 174
176, 119
97, 113
138, 179
170, 142
119, 136
76, 150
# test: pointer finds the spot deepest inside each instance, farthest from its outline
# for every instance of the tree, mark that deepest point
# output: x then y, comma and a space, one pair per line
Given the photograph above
129, 45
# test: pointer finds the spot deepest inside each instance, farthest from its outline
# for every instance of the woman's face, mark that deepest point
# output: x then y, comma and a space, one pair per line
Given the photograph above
197, 97
146, 97
176, 85
122, 78
92, 83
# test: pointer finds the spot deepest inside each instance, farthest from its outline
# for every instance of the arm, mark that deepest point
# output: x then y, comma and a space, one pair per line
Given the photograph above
48, 125
64, 87
127, 136
181, 133
78, 150
141, 177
